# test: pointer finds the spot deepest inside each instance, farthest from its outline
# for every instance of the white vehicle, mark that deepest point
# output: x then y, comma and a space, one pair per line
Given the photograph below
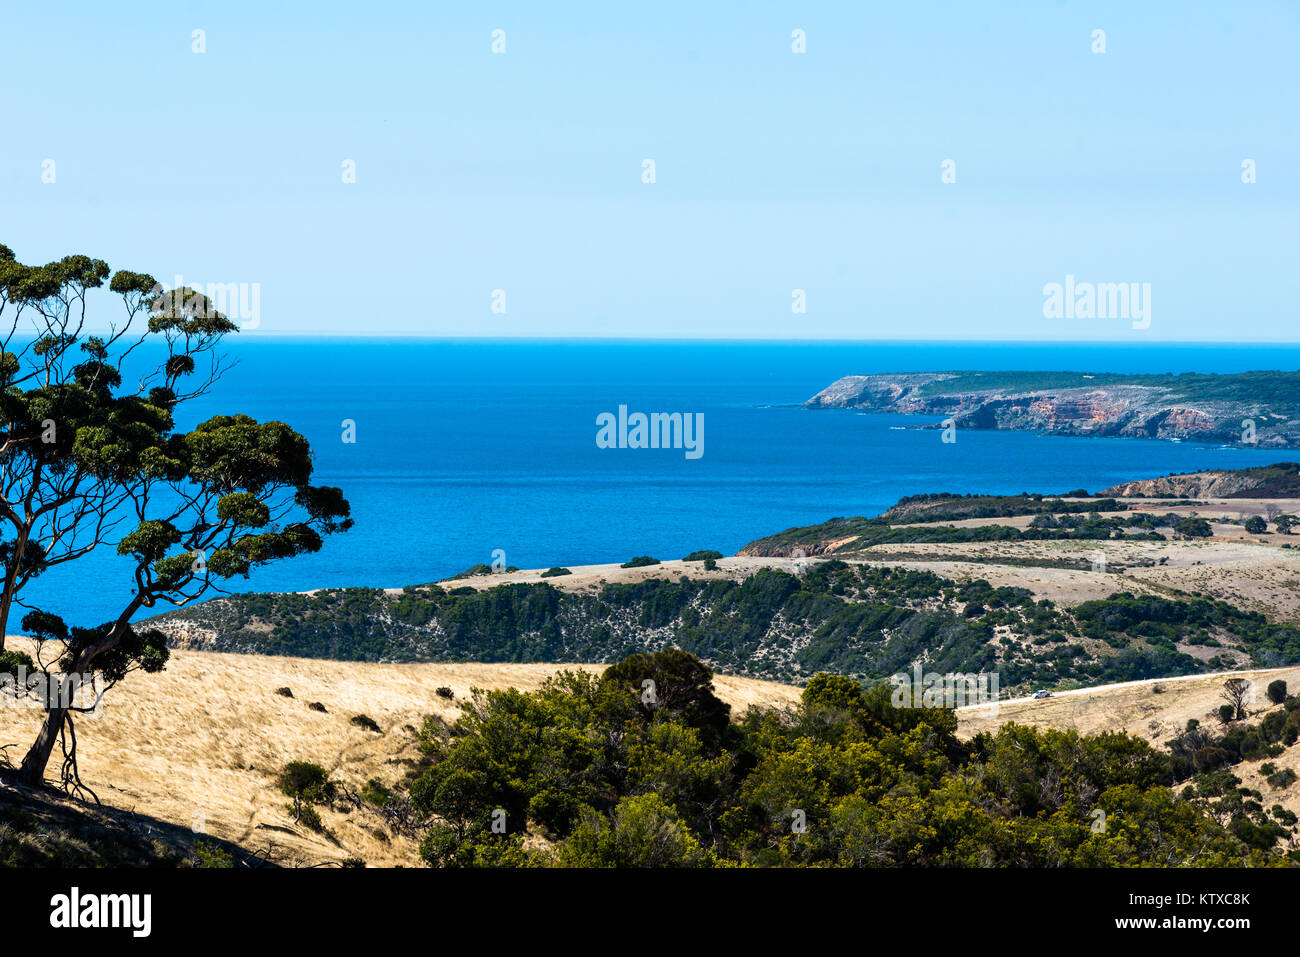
1042, 694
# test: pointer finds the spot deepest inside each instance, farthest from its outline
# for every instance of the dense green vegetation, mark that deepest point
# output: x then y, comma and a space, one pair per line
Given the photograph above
952, 507
641, 767
862, 621
1048, 524
1271, 388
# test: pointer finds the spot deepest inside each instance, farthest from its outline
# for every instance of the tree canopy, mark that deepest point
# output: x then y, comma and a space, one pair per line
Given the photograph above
89, 460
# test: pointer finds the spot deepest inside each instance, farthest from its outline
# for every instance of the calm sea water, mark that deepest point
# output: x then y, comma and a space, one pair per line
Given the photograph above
464, 447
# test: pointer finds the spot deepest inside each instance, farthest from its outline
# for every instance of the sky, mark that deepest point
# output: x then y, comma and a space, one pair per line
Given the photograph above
503, 192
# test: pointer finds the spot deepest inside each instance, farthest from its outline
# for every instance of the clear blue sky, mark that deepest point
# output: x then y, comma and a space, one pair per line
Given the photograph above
775, 171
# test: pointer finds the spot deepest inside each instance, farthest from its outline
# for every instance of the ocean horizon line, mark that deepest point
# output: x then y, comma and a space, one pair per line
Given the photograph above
704, 340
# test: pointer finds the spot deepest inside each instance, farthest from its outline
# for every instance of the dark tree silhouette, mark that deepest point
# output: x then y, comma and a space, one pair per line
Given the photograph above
86, 461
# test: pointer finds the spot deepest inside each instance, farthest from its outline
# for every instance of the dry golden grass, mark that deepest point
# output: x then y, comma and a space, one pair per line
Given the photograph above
1154, 710
200, 744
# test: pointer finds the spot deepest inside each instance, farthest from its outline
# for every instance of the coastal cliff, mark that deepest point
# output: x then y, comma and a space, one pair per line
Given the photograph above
1260, 409
1271, 481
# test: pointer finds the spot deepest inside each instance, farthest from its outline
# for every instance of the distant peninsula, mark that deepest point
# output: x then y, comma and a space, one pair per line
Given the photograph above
1249, 409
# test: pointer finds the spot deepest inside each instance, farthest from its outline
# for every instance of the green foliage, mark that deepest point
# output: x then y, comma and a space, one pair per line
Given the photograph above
845, 779
307, 783
1193, 528
212, 856
1281, 779
1276, 691
867, 622
640, 561
11, 661
307, 816
702, 555
556, 572
641, 831
84, 449
672, 685
376, 792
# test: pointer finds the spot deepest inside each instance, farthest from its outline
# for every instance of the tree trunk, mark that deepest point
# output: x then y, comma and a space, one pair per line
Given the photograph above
32, 771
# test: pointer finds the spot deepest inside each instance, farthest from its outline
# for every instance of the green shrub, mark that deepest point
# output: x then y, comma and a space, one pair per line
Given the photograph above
212, 856
1193, 528
307, 784
640, 561
556, 572
1277, 691
1281, 779
366, 722
376, 792
307, 816
556, 810
11, 661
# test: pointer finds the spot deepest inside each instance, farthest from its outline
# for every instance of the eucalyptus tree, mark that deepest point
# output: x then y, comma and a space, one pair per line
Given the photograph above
89, 462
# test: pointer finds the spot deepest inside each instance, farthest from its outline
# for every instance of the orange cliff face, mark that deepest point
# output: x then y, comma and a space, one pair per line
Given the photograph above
1093, 411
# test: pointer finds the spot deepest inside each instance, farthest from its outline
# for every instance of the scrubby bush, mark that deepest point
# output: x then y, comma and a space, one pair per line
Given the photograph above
376, 792
284, 692
366, 722
1276, 691
702, 555
307, 784
307, 816
317, 706
641, 767
212, 856
1281, 779
556, 572
640, 561
1193, 528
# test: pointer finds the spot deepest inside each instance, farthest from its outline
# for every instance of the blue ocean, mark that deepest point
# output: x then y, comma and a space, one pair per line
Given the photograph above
464, 447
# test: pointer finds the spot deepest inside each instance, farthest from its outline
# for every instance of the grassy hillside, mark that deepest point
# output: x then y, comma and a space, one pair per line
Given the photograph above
863, 621
200, 744
41, 829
